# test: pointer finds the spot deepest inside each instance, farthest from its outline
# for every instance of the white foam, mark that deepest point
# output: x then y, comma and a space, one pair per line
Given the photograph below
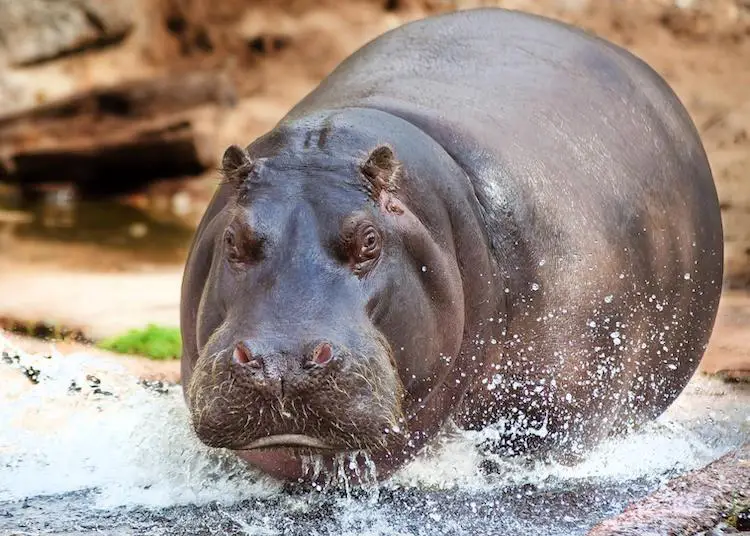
669, 445
137, 448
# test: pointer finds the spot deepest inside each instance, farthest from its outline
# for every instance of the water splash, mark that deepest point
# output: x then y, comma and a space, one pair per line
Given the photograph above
88, 435
90, 425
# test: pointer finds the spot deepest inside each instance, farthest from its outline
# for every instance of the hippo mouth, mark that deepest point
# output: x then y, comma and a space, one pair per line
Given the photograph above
353, 402
287, 441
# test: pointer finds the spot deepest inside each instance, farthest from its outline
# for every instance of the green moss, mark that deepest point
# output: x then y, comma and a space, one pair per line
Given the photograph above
156, 342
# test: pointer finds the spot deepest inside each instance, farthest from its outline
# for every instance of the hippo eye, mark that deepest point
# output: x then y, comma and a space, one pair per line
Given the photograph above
229, 238
367, 245
370, 241
242, 249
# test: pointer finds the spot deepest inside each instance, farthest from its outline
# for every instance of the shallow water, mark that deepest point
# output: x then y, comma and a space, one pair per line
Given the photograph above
90, 450
152, 232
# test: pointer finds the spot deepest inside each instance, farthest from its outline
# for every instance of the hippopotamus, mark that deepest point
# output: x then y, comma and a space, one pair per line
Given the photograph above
485, 218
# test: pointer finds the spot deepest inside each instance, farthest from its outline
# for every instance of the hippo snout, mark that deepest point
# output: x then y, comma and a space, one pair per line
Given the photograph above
278, 373
243, 354
274, 393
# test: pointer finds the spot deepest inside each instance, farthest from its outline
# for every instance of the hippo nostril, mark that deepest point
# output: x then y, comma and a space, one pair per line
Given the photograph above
323, 354
244, 356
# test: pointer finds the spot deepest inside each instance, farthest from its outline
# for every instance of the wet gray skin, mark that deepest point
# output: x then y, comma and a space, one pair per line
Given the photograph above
486, 217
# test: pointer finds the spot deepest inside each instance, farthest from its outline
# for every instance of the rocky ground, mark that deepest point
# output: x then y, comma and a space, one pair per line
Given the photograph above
693, 503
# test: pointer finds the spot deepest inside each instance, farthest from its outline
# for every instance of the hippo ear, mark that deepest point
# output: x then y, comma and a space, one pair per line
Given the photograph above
382, 171
236, 165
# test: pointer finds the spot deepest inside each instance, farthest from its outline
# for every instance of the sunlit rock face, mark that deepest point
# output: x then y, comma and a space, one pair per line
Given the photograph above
33, 31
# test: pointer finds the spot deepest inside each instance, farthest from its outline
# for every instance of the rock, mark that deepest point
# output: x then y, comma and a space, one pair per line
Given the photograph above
156, 386
32, 31
31, 373
686, 505
128, 133
728, 352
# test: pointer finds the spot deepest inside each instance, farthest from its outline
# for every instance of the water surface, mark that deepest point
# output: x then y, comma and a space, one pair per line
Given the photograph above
87, 449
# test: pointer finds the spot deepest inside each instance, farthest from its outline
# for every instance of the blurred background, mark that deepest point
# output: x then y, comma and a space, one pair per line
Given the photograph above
113, 115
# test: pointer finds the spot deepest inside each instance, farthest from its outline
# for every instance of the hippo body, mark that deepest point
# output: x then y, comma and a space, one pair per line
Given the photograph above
486, 217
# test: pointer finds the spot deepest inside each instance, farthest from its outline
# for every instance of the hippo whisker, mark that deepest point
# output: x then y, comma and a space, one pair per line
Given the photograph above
230, 381
367, 381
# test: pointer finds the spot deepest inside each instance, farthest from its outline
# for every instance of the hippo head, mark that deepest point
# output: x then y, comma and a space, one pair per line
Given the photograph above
330, 310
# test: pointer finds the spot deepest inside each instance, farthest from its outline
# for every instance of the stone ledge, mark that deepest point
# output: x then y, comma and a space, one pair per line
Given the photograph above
686, 505
33, 31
